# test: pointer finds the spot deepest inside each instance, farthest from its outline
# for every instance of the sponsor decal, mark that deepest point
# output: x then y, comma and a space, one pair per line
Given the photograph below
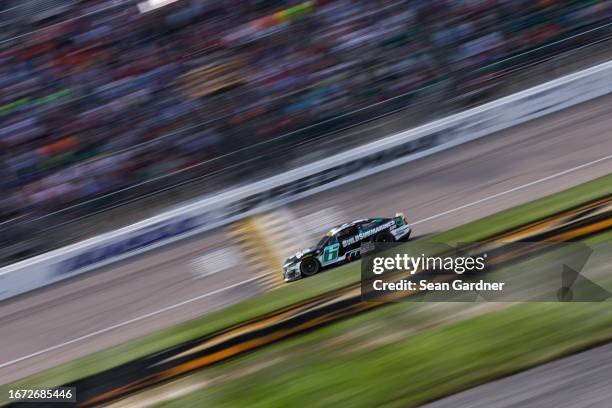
362, 235
352, 254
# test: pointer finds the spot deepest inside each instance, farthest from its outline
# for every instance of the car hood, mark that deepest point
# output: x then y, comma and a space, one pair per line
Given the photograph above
299, 255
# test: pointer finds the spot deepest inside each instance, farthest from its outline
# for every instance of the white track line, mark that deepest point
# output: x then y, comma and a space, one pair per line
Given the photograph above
205, 295
127, 322
512, 190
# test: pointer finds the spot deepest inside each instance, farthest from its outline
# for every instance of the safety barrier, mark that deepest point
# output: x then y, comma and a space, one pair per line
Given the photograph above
213, 212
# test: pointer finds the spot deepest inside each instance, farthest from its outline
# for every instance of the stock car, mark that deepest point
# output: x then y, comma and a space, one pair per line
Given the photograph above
342, 244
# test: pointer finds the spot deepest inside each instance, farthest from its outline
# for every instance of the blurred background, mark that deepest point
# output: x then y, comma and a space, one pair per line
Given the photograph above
112, 111
103, 105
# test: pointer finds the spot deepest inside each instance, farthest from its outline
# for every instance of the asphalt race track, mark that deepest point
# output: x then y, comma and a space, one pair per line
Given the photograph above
578, 381
136, 297
336, 305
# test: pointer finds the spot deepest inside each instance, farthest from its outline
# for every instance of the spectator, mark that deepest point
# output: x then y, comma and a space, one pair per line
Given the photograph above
102, 97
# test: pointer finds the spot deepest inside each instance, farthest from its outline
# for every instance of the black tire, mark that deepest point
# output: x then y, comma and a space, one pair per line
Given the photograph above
309, 266
384, 237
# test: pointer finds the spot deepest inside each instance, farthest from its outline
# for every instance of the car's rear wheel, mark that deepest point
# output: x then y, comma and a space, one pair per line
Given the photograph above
309, 266
384, 237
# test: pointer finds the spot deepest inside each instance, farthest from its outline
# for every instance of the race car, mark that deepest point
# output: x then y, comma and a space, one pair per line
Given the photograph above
342, 244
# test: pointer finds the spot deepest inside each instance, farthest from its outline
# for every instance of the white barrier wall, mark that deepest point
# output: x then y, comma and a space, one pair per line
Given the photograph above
344, 167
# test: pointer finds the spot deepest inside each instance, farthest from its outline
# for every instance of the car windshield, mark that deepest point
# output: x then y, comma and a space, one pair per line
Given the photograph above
323, 241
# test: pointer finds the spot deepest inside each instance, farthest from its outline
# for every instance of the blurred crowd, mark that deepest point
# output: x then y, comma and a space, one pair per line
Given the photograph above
99, 96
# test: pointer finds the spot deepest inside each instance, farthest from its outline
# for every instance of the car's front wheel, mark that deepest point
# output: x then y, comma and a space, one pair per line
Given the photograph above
309, 266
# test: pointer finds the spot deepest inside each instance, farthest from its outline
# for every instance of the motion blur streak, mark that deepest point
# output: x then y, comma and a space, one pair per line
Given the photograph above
578, 381
512, 190
274, 277
342, 303
125, 323
447, 180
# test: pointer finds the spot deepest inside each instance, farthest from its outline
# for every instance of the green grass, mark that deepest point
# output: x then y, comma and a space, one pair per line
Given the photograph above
303, 289
416, 369
427, 351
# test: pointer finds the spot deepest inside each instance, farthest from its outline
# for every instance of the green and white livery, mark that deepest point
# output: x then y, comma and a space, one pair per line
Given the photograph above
342, 244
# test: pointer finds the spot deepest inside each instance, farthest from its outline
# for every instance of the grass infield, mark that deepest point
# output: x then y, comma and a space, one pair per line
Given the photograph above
345, 275
402, 355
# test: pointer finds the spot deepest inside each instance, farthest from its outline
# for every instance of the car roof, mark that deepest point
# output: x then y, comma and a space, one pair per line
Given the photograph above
340, 227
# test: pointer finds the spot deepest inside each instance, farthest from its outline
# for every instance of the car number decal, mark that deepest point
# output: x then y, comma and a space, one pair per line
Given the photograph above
330, 253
